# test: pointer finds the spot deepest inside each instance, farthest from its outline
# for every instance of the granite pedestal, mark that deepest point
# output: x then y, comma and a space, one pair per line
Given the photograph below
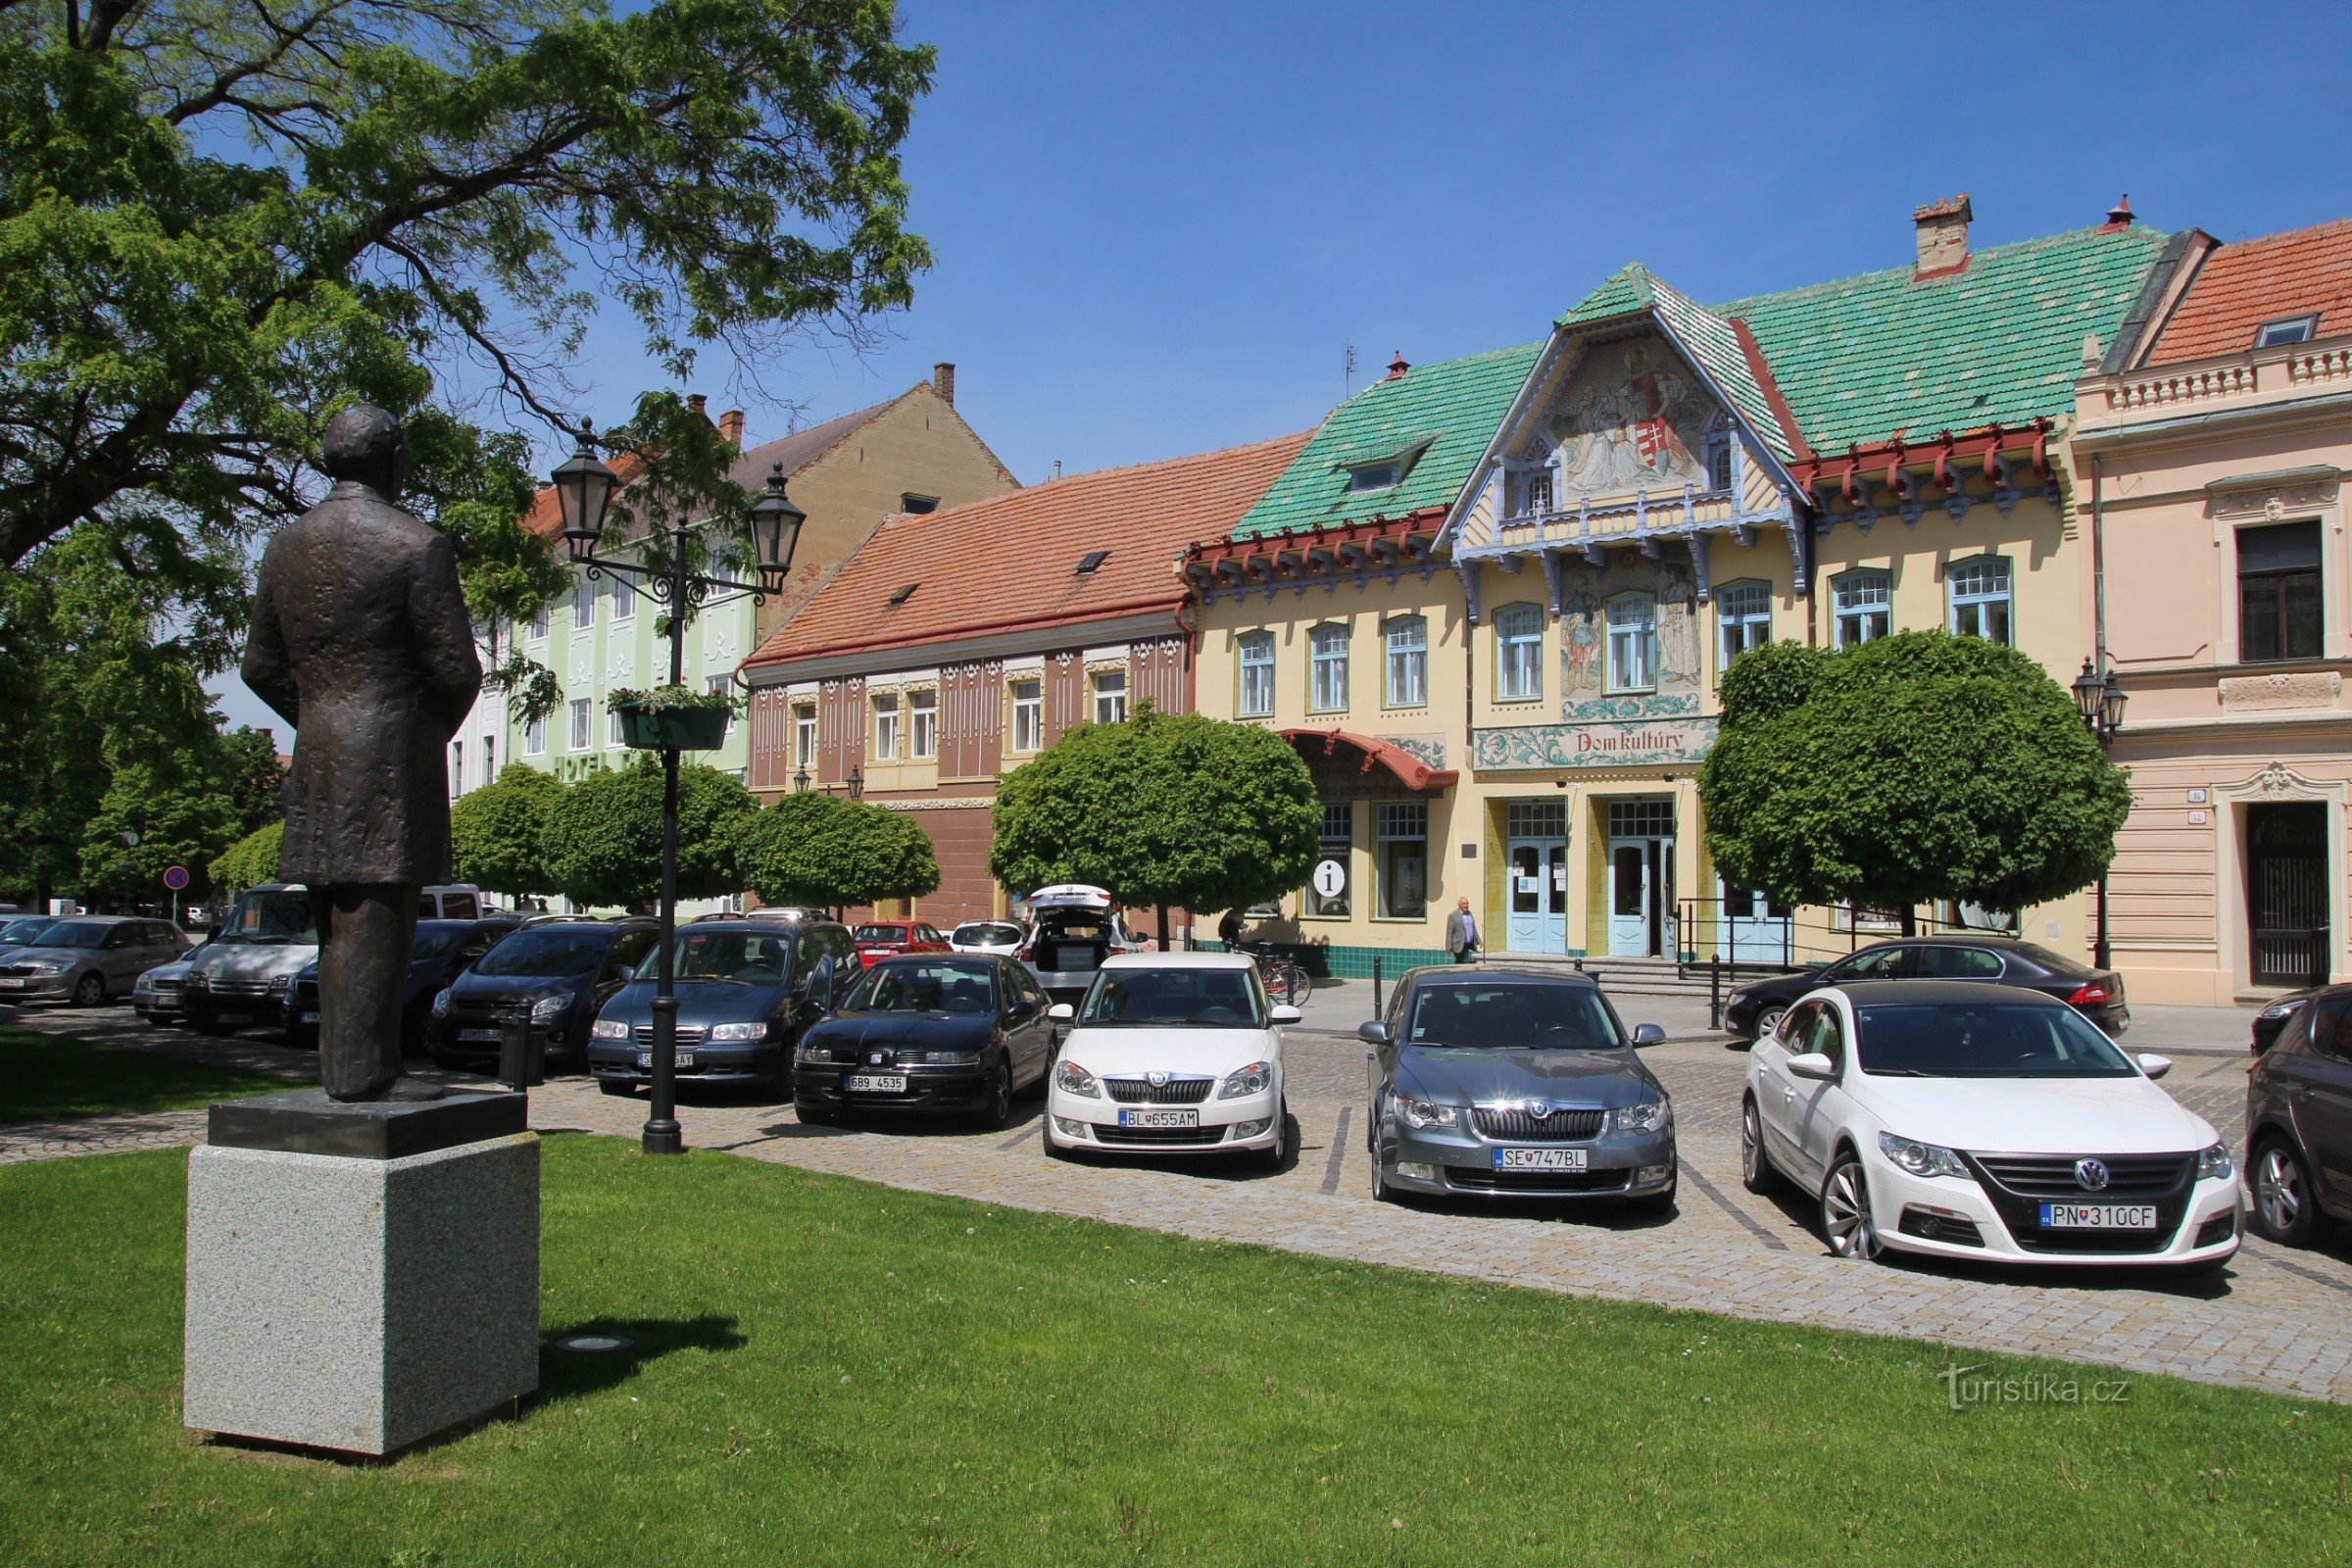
361, 1276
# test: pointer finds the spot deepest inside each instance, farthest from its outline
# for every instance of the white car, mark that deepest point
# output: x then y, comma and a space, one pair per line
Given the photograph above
1971, 1120
1171, 1052
1000, 937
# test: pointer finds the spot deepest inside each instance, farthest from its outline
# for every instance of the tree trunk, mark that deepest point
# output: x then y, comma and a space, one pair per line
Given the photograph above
1163, 928
1910, 920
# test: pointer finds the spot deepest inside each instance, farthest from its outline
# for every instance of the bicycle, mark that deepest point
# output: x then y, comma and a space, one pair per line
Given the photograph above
1287, 982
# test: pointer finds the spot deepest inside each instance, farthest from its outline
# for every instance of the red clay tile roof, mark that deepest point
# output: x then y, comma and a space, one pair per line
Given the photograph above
2244, 285
1012, 559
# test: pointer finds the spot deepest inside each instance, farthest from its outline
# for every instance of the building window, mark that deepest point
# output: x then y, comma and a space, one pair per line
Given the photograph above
1401, 828
922, 712
1864, 606
534, 738
612, 735
1633, 643
886, 728
1742, 618
1407, 638
803, 735
1258, 675
583, 603
1110, 696
1372, 476
1028, 716
489, 759
456, 768
1719, 458
624, 601
1335, 843
2292, 329
1979, 591
916, 505
1518, 654
2279, 614
579, 723
1539, 494
1327, 648
539, 626
723, 686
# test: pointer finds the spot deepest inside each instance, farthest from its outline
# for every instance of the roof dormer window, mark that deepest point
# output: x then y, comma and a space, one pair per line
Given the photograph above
1092, 561
2287, 330
1373, 477
905, 594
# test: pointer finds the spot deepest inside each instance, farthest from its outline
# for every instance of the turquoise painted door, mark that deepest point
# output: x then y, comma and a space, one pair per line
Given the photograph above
1630, 897
1538, 896
1754, 929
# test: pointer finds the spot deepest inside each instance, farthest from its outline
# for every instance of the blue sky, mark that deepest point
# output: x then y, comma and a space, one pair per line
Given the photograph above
1157, 224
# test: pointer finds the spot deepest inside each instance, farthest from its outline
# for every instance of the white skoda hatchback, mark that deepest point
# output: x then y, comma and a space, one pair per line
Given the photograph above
1171, 1052
1968, 1120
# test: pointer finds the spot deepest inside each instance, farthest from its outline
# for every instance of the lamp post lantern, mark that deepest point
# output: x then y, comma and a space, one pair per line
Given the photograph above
800, 782
857, 782
584, 490
2099, 702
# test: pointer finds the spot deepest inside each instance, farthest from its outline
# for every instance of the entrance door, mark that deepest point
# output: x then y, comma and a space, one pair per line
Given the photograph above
1537, 857
2286, 893
1755, 930
1629, 899
1642, 916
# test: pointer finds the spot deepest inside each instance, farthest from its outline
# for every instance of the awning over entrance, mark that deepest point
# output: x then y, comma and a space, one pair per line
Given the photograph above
1330, 750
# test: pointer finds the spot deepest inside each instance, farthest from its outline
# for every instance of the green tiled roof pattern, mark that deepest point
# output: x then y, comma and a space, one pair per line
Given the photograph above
1454, 404
1710, 340
1625, 290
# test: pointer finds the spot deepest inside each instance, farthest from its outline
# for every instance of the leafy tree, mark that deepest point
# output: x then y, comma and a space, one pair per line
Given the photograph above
256, 777
250, 861
1916, 767
498, 834
182, 815
604, 835
822, 852
1165, 808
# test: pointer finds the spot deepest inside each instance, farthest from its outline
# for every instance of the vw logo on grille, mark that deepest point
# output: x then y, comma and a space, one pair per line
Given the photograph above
1156, 1080
2091, 1173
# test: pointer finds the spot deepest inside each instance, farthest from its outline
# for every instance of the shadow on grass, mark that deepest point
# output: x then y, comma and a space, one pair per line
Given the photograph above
570, 1374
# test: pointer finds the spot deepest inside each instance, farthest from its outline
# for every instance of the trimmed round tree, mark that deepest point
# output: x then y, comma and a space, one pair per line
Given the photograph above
1162, 809
1917, 767
498, 834
817, 850
247, 862
604, 835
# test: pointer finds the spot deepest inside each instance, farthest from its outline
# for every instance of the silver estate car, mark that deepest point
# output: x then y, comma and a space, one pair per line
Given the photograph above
89, 958
1495, 1082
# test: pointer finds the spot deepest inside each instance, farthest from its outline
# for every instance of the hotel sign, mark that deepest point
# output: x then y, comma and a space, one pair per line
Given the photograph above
1617, 743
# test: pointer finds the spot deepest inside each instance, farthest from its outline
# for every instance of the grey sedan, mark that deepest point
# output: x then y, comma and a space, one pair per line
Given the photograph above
1515, 1083
88, 959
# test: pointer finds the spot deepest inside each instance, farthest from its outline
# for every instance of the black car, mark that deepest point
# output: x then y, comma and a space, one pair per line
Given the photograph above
2271, 1021
563, 968
929, 1032
2299, 1122
443, 951
1754, 1010
745, 990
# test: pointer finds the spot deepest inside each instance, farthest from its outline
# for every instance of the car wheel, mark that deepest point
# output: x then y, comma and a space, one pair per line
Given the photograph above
995, 1114
1382, 1191
1770, 1019
2283, 1211
90, 991
1755, 1166
1272, 1158
619, 1089
1846, 1212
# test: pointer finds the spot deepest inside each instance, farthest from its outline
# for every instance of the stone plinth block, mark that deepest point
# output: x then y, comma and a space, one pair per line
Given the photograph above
361, 1303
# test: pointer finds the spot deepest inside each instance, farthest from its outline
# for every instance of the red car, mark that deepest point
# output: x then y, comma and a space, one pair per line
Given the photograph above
884, 939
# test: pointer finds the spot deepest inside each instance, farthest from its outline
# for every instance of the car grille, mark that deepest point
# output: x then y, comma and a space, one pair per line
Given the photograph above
1509, 1124
1160, 1134
162, 985
17, 969
1144, 1092
2053, 1175
1479, 1179
237, 988
687, 1034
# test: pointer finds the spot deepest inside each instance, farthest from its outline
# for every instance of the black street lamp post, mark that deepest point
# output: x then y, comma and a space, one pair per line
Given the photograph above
584, 490
2099, 699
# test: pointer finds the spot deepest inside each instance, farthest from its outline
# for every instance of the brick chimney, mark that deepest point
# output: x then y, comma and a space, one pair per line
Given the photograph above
730, 426
1942, 233
2120, 215
943, 381
695, 402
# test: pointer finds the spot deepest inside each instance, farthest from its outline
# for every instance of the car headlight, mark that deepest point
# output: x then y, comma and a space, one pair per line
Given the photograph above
1426, 1114
199, 981
609, 1029
48, 967
819, 1054
954, 1059
2214, 1163
547, 1009
1650, 1117
1255, 1079
734, 1031
1072, 1079
441, 1003
1735, 999
2282, 1010
1921, 1159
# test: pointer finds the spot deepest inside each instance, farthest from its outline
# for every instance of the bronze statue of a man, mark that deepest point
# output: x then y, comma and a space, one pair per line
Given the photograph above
361, 641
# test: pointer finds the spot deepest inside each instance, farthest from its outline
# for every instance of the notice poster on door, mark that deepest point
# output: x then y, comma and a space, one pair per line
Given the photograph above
1530, 884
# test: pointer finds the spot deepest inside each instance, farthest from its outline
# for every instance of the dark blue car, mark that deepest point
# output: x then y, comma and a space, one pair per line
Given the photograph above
561, 967
745, 990
960, 1032
444, 950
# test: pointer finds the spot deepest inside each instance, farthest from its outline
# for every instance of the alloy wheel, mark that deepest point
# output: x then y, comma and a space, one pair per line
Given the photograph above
2279, 1190
1845, 1214
1000, 1097
1754, 1174
90, 991
1768, 1020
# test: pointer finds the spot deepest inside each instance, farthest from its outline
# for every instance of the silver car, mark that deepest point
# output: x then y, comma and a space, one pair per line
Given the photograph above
1494, 1081
89, 958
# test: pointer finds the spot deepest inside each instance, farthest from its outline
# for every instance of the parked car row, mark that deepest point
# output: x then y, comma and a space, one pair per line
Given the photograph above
1754, 1010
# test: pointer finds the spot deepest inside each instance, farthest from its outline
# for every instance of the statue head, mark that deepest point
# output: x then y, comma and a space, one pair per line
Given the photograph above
364, 445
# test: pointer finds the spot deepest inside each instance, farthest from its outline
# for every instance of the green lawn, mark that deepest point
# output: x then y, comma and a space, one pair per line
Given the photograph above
46, 1077
834, 1373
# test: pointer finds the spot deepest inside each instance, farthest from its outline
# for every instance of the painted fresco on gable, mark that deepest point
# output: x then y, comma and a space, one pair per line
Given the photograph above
1584, 593
1630, 418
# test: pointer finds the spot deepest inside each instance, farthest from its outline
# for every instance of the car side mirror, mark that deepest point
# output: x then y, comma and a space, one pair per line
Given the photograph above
1813, 1065
1061, 1013
1374, 1033
2153, 1066
1649, 1034
1285, 1013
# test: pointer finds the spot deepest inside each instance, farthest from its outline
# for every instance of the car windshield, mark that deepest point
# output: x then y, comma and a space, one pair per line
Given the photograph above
25, 932
882, 933
436, 940
277, 917
1499, 1015
1985, 1040
988, 933
920, 988
546, 953
76, 934
1145, 998
751, 957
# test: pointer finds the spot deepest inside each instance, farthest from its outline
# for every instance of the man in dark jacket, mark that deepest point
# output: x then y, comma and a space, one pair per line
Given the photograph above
360, 642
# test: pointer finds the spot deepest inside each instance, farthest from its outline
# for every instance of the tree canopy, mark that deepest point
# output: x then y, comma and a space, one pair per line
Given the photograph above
1916, 767
819, 851
604, 835
498, 834
1165, 808
247, 862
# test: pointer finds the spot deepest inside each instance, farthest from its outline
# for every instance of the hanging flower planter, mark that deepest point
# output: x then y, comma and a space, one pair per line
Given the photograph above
673, 715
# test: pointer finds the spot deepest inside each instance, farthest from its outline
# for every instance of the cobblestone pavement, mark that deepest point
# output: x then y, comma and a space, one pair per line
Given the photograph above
2274, 1319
